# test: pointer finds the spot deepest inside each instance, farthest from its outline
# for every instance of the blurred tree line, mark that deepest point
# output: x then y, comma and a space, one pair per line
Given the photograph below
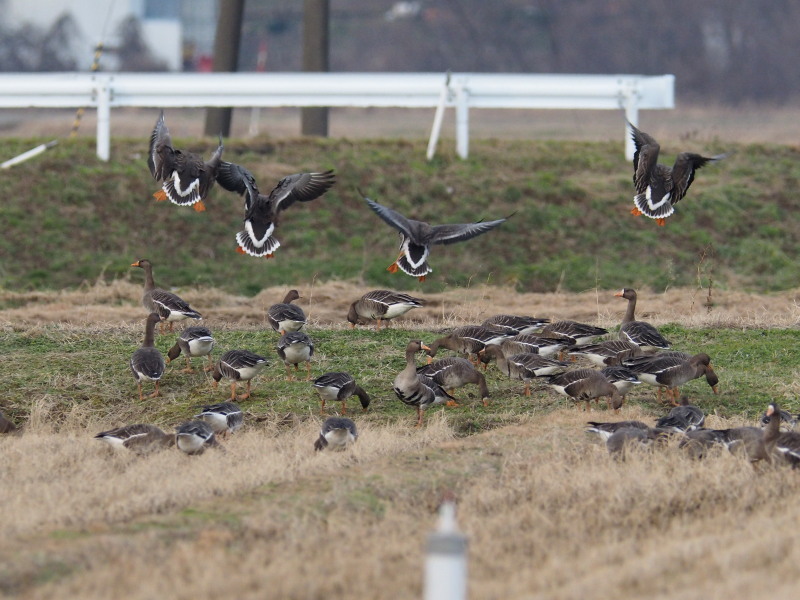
727, 51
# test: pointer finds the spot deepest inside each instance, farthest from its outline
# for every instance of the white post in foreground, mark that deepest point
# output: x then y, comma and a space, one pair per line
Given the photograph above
446, 561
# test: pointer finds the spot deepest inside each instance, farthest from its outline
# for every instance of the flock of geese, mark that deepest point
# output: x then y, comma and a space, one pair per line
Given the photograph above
523, 348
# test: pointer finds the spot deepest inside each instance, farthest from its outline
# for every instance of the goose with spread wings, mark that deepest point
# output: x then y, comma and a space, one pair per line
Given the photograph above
658, 187
416, 238
261, 212
185, 177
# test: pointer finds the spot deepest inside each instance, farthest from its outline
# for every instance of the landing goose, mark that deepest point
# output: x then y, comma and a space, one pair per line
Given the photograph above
147, 363
417, 390
155, 300
380, 305
416, 238
185, 177
336, 433
658, 187
339, 386
238, 365
641, 333
285, 316
262, 213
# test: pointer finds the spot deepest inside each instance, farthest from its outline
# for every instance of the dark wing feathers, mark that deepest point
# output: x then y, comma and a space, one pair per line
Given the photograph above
391, 217
449, 234
301, 187
235, 178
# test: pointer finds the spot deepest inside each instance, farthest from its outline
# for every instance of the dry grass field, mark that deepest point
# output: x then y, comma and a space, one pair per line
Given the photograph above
548, 514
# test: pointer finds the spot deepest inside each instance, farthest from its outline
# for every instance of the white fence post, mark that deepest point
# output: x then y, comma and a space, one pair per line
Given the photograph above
438, 116
103, 93
446, 561
462, 119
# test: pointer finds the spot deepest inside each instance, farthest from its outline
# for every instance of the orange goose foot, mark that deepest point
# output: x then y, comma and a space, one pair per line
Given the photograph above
452, 403
636, 212
392, 268
240, 251
160, 196
199, 206
661, 222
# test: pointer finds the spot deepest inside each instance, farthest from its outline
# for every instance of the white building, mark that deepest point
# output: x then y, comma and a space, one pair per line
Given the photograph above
98, 20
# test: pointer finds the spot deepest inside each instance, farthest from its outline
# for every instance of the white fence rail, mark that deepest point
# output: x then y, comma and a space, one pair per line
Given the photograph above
463, 91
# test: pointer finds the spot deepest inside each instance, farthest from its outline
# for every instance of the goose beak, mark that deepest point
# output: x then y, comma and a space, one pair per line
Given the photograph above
714, 387
618, 294
136, 264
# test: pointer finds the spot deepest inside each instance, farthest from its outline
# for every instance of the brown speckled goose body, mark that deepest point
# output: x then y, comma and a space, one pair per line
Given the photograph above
381, 305
285, 316
238, 365
339, 386
641, 333
169, 306
417, 390
147, 363
455, 372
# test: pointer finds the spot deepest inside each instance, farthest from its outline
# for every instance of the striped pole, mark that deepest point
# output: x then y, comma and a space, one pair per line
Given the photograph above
98, 52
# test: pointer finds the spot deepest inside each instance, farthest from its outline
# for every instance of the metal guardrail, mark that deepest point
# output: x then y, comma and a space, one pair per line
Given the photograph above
462, 91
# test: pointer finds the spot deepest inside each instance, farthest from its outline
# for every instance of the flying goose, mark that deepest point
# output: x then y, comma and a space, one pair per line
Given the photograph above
339, 386
641, 333
416, 238
658, 187
381, 305
155, 300
262, 213
139, 438
147, 363
238, 365
185, 178
418, 390
337, 433
285, 316
193, 341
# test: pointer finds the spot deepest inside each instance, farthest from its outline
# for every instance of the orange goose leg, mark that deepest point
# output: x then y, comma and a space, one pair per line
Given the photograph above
322, 408
419, 416
210, 366
308, 371
392, 268
154, 394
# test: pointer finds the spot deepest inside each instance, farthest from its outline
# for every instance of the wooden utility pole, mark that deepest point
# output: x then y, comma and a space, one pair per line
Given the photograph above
316, 17
226, 59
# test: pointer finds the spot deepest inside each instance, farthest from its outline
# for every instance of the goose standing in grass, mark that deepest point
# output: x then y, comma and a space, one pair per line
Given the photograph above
682, 418
339, 386
608, 354
467, 340
606, 430
515, 324
524, 367
262, 213
193, 437
139, 438
155, 300
238, 365
285, 316
381, 305
293, 348
641, 333
622, 378
584, 385
455, 372
417, 390
784, 445
629, 438
671, 372
225, 418
6, 426
147, 363
580, 333
336, 433
535, 344
416, 238
185, 177
192, 342
658, 187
